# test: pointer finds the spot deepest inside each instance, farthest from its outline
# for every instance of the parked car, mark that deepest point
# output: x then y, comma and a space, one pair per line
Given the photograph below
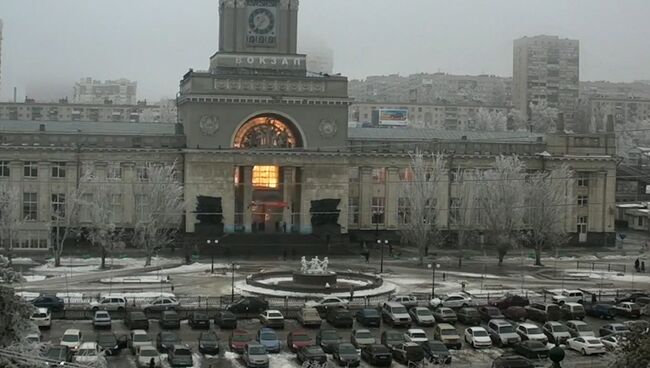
72, 339
377, 355
339, 317
409, 301
165, 340
512, 361
199, 320
628, 309
436, 352
632, 297
109, 303
225, 319
254, 356
613, 329
138, 338
611, 342
368, 317
586, 345
395, 314
469, 316
329, 302
169, 319
543, 312
477, 337
422, 316
510, 300
556, 332
144, 355
600, 310
518, 314
361, 337
41, 318
415, 335
447, 334
345, 354
502, 333
298, 339
109, 343
489, 312
272, 318
533, 349
58, 355
572, 311
390, 338
136, 321
238, 340
269, 339
51, 302
309, 317
455, 300
89, 354
445, 315
579, 329
408, 353
208, 343
248, 305
311, 354
102, 319
161, 304
529, 331
568, 296
327, 339
180, 356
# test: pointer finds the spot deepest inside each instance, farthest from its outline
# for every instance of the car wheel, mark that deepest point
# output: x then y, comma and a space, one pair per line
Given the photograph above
584, 352
464, 305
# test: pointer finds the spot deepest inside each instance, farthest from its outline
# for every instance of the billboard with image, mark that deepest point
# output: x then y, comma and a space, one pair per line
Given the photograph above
393, 117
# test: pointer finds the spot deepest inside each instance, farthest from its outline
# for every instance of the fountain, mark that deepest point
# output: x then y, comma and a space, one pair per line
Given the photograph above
314, 273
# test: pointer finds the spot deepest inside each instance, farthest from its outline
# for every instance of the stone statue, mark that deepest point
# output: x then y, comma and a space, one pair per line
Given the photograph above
303, 265
314, 266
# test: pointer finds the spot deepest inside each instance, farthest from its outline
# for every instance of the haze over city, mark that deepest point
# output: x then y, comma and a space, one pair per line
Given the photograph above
48, 45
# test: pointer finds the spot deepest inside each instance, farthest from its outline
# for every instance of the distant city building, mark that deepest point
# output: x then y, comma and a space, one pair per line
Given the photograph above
636, 89
546, 68
606, 112
0, 54
118, 92
63, 111
320, 61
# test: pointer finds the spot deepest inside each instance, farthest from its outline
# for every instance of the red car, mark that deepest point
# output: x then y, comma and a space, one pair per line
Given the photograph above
298, 339
238, 340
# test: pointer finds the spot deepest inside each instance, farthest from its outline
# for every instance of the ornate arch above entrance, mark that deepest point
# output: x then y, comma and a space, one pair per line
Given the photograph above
267, 131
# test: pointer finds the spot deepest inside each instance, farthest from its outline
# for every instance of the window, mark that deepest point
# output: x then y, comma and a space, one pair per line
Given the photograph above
403, 211
58, 169
379, 175
582, 200
406, 174
4, 169
377, 208
114, 171
116, 208
31, 169
583, 180
142, 173
30, 206
353, 209
582, 224
266, 177
58, 206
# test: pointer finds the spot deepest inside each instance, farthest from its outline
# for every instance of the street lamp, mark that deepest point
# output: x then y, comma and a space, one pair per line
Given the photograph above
433, 267
381, 245
212, 250
376, 215
232, 283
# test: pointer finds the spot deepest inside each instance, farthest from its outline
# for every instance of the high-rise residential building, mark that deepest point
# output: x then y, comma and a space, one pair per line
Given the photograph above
119, 92
0, 54
546, 68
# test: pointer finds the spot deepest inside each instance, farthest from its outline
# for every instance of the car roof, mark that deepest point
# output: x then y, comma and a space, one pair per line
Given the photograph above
89, 344
267, 329
573, 304
139, 332
476, 328
42, 310
413, 330
500, 322
71, 331
394, 304
528, 325
577, 322
554, 323
272, 311
445, 325
147, 347
299, 332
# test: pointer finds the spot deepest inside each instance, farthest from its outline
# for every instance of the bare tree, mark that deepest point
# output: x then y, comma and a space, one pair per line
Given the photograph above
501, 200
102, 229
65, 218
492, 121
463, 209
547, 196
10, 215
517, 120
159, 208
543, 118
422, 190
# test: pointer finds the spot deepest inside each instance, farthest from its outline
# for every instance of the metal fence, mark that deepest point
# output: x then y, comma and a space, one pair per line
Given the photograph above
598, 266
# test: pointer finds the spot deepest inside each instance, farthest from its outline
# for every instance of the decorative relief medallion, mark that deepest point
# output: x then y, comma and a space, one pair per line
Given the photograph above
209, 124
227, 3
327, 128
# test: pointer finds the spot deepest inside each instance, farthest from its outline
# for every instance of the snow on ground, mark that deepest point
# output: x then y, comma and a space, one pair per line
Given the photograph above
469, 355
135, 280
22, 261
472, 275
191, 268
243, 287
478, 293
282, 360
76, 265
608, 276
30, 278
277, 280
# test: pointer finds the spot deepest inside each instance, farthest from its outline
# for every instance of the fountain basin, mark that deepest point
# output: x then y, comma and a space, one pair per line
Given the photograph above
315, 280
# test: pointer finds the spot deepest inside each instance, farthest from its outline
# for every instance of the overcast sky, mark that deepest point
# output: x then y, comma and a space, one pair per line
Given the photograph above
50, 44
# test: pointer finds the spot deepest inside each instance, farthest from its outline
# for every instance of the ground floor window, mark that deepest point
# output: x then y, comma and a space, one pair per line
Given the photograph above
378, 208
403, 211
353, 209
266, 177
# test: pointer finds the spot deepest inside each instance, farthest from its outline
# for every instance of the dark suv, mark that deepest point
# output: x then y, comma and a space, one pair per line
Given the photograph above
248, 304
339, 317
543, 313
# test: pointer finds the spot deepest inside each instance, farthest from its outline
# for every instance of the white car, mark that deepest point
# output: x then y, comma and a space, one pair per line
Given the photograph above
586, 345
611, 342
109, 303
144, 355
272, 318
33, 338
330, 301
102, 319
88, 353
42, 318
455, 300
407, 300
529, 331
579, 329
72, 339
138, 339
161, 304
416, 335
568, 296
478, 337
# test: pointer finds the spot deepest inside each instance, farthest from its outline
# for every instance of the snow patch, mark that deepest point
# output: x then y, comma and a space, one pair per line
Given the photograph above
191, 268
76, 265
242, 286
135, 280
31, 278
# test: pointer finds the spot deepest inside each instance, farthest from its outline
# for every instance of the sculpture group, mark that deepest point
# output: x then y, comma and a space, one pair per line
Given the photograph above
314, 266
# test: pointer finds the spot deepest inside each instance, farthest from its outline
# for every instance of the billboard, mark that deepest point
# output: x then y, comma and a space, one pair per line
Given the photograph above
393, 117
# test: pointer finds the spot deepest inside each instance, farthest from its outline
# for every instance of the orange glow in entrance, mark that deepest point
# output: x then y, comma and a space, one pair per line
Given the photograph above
266, 177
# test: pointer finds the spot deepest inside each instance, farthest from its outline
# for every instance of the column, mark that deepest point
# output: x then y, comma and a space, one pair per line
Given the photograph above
128, 178
247, 182
392, 195
306, 196
228, 198
365, 197
288, 187
44, 192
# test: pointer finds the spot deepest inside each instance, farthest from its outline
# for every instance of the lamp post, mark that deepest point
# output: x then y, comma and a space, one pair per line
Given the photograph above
232, 283
433, 267
212, 250
381, 245
376, 215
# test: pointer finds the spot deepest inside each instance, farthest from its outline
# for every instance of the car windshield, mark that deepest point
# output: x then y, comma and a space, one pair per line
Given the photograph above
183, 352
593, 342
393, 336
363, 335
371, 313
208, 337
275, 315
534, 331
347, 349
241, 338
480, 333
106, 339
314, 350
200, 316
55, 352
87, 352
148, 353
447, 311
329, 335
423, 312
70, 338
581, 327
397, 310
635, 307
435, 346
559, 328
578, 308
419, 335
506, 329
620, 328
39, 315
102, 315
380, 349
301, 337
471, 312
448, 332
141, 338
169, 337
268, 336
256, 350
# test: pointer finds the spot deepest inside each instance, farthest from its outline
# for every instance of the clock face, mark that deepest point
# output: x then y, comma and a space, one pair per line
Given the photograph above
261, 21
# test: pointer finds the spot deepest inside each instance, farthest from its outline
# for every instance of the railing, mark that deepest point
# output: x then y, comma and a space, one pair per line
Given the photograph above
597, 266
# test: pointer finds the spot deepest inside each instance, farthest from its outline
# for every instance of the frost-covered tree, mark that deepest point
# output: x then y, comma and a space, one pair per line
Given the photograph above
547, 196
421, 191
65, 218
501, 194
634, 350
631, 135
10, 215
490, 121
159, 208
463, 210
543, 118
101, 227
517, 120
